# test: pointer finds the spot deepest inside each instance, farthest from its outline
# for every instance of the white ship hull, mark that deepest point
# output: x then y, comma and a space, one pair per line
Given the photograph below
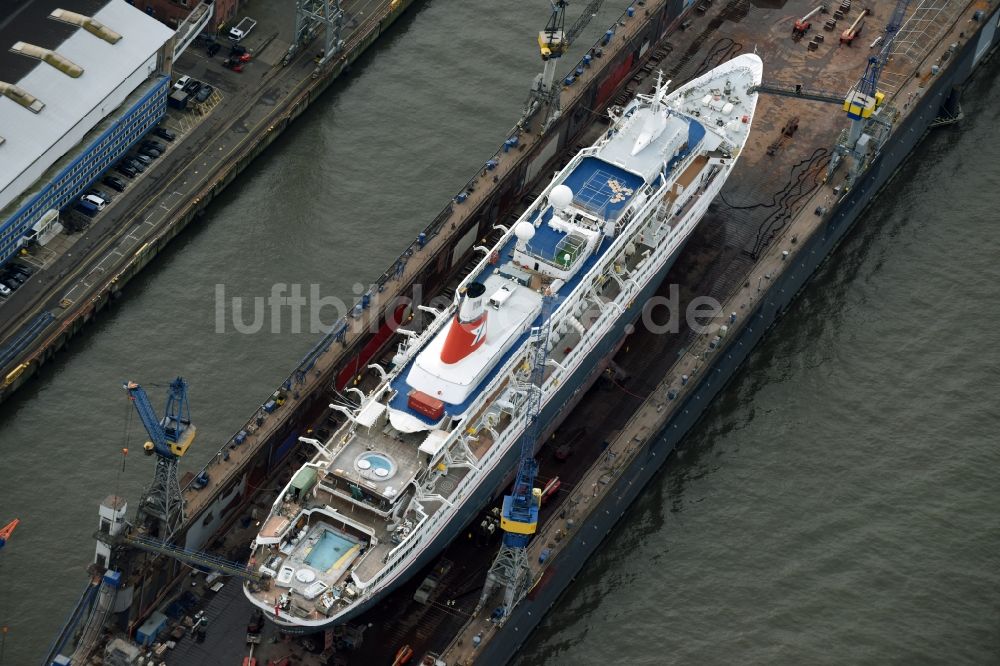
469, 448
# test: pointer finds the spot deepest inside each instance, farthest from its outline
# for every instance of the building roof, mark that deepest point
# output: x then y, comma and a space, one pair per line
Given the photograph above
63, 95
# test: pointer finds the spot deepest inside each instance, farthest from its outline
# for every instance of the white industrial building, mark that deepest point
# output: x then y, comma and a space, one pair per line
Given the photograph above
81, 81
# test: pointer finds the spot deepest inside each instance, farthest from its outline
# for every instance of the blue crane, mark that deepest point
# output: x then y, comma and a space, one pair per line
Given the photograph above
865, 97
519, 513
162, 508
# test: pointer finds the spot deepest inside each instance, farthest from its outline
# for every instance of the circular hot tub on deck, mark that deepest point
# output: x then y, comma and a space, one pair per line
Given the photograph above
375, 465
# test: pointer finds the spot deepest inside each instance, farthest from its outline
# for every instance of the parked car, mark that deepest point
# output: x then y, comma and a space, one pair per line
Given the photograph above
164, 133
146, 151
213, 49
103, 196
4, 291
117, 184
18, 277
10, 284
23, 271
192, 87
126, 170
135, 164
242, 29
145, 159
97, 202
156, 145
205, 92
181, 82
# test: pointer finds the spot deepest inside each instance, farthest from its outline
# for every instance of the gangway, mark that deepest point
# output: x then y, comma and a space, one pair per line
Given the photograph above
798, 92
193, 557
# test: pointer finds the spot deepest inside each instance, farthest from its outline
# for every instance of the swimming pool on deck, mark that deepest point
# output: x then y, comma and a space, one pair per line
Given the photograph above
332, 551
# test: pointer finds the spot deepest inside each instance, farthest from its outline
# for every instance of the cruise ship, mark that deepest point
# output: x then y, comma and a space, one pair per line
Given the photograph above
437, 439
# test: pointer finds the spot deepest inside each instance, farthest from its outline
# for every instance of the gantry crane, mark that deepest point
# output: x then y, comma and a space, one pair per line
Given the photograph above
519, 514
161, 511
553, 42
864, 99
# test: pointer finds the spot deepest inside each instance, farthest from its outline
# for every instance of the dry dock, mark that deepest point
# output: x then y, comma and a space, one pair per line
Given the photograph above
773, 205
259, 451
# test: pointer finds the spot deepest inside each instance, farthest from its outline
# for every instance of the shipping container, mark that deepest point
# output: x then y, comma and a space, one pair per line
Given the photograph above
427, 405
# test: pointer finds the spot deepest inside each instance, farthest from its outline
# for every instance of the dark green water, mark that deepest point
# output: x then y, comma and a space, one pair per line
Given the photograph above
838, 504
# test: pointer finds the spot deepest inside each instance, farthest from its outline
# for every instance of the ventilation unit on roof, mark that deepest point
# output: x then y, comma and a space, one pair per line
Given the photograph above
90, 24
21, 96
60, 62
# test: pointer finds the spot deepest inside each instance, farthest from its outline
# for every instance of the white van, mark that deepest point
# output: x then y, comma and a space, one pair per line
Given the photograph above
98, 202
242, 29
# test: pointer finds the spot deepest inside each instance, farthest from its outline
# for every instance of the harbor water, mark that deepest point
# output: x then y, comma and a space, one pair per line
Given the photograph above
838, 503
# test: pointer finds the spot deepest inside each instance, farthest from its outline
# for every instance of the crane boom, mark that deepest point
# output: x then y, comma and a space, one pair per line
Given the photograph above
873, 70
847, 37
172, 434
553, 42
7, 530
519, 516
578, 26
162, 507
802, 25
